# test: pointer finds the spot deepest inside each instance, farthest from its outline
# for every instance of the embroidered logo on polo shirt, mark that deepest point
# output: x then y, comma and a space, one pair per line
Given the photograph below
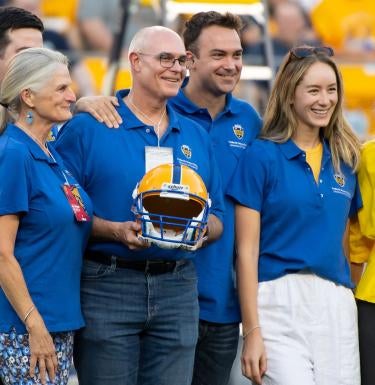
340, 179
186, 150
51, 136
238, 131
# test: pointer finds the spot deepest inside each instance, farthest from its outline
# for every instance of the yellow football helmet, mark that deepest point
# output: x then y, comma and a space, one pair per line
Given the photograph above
171, 202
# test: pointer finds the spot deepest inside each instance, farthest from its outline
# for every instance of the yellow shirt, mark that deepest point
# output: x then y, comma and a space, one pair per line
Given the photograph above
362, 232
314, 159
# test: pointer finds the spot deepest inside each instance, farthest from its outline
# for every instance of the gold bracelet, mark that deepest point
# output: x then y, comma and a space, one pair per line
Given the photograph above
28, 314
250, 331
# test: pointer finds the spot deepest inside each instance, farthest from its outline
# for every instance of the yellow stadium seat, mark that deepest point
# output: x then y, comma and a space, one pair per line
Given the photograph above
229, 3
174, 8
65, 9
146, 3
359, 84
359, 90
97, 67
123, 79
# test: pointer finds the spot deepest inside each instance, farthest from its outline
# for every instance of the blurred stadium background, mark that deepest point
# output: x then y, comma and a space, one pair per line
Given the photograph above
271, 27
86, 30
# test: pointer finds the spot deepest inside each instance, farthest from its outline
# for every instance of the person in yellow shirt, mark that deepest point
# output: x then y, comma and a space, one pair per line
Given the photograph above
362, 256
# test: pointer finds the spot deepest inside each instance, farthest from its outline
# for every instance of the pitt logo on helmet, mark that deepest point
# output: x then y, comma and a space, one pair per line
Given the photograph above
171, 202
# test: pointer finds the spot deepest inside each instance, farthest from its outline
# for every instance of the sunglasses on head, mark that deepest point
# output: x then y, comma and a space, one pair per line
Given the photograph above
302, 52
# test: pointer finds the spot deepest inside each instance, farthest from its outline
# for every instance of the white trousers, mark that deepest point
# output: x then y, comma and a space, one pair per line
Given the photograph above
309, 326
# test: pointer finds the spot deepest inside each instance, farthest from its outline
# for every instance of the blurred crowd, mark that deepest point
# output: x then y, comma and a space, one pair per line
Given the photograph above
85, 29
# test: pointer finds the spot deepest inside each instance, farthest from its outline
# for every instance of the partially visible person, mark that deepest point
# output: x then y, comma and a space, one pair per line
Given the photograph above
251, 32
362, 251
295, 189
212, 40
98, 21
140, 304
54, 40
20, 29
291, 28
45, 223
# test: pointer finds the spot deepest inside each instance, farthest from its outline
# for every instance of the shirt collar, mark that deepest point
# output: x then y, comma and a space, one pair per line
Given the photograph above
230, 104
291, 150
34, 148
130, 121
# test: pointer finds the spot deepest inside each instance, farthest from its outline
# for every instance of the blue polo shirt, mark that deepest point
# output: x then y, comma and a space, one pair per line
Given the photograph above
109, 163
302, 222
231, 131
49, 242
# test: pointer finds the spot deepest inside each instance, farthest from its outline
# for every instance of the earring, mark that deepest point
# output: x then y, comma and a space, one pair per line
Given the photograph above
29, 117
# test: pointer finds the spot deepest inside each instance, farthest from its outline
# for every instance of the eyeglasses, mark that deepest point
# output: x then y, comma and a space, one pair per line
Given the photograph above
302, 52
167, 60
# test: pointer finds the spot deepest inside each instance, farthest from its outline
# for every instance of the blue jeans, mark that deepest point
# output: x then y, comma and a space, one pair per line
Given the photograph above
140, 329
215, 353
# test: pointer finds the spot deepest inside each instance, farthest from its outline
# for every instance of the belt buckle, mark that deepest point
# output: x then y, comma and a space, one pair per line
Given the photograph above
148, 267
153, 267
156, 267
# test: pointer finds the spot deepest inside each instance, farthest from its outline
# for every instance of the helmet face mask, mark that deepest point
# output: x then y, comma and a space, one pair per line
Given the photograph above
172, 215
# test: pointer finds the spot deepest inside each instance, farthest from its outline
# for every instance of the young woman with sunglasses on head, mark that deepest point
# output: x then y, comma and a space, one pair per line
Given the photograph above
295, 189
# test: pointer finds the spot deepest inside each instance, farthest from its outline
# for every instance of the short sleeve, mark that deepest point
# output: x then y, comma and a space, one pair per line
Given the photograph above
366, 180
360, 247
356, 203
14, 175
248, 183
70, 148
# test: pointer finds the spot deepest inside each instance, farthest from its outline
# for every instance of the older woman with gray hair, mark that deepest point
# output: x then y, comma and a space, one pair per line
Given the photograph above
44, 220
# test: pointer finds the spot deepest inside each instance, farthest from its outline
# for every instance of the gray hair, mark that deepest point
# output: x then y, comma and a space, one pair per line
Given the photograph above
29, 69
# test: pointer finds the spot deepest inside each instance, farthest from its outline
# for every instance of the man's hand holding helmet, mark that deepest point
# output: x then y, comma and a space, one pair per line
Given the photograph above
171, 204
128, 234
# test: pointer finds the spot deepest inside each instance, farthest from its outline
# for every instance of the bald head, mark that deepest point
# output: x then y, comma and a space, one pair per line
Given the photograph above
157, 58
153, 37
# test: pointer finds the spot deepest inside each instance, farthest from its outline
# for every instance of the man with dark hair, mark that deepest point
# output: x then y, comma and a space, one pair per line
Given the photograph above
213, 42
19, 29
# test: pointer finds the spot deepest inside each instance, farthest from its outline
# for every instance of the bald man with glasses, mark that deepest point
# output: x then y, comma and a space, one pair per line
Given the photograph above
141, 326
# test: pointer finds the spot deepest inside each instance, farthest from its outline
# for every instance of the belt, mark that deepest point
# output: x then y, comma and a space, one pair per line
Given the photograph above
151, 267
